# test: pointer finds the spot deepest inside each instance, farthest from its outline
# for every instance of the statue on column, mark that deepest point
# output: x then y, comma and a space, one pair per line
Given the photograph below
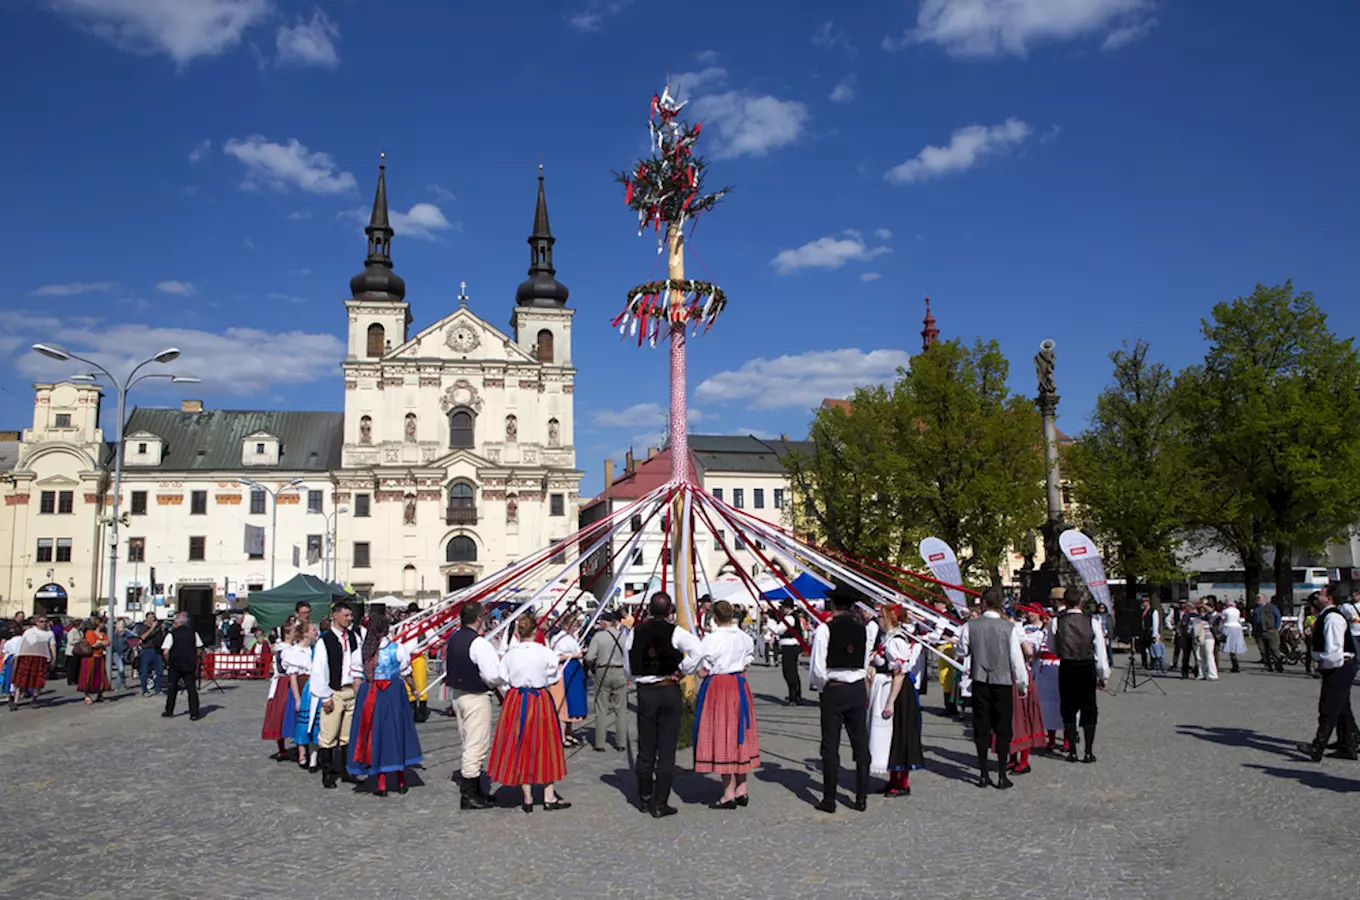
1044, 362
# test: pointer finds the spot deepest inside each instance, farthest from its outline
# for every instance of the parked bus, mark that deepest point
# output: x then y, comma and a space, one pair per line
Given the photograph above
1231, 585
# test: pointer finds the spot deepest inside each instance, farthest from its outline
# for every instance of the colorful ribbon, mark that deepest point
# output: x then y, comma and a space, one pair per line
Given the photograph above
524, 706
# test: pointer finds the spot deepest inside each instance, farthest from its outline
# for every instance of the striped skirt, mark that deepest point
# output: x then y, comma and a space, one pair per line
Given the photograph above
725, 737
528, 745
30, 673
93, 679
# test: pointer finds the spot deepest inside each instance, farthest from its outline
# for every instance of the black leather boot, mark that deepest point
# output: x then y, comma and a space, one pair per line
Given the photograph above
828, 802
661, 807
644, 790
328, 771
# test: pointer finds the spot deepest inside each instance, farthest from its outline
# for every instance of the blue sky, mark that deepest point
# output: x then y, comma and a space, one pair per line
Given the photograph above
189, 171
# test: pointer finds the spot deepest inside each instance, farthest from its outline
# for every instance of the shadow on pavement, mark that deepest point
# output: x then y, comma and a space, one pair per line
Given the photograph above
1311, 778
800, 782
1239, 737
958, 766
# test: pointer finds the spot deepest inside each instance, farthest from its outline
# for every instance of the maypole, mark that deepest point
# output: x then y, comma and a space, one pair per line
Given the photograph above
666, 190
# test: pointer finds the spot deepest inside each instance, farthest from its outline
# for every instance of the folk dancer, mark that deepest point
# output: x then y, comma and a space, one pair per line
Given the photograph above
527, 749
569, 692
997, 665
894, 707
1149, 634
726, 740
654, 653
604, 659
9, 652
307, 732
1044, 672
1080, 643
280, 694
295, 658
183, 648
383, 738
1233, 642
36, 655
840, 658
334, 665
1334, 649
786, 626
1027, 719
473, 673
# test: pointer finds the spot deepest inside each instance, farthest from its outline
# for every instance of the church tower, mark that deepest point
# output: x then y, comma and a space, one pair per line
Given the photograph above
541, 321
379, 316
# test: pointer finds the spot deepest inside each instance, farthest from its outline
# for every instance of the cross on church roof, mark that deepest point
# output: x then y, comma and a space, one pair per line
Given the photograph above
462, 295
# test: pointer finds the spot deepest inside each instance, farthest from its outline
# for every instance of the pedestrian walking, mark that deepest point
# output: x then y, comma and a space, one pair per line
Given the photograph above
182, 648
604, 660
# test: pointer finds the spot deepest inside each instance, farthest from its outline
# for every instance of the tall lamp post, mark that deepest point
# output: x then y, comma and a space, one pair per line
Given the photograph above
274, 519
330, 518
169, 354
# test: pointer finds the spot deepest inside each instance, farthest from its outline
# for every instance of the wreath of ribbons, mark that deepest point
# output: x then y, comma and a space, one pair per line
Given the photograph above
660, 304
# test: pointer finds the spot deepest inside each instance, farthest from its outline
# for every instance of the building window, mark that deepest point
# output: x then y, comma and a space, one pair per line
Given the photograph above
738, 497
637, 557
377, 338
315, 499
66, 502
717, 493
136, 550
63, 549
462, 504
259, 449
44, 550
361, 556
257, 502
252, 588
47, 503
1066, 495
778, 498
559, 558
63, 420
460, 429
462, 549
738, 543
313, 549
635, 524
361, 502
545, 346
197, 549
139, 503
141, 449
758, 498
718, 537
198, 503
557, 505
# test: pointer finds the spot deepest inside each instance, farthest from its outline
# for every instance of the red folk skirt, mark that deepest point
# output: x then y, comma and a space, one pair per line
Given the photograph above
274, 710
725, 737
93, 678
30, 673
1027, 721
527, 748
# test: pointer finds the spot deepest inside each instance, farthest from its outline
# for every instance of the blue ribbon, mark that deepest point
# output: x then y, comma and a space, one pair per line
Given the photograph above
743, 708
524, 707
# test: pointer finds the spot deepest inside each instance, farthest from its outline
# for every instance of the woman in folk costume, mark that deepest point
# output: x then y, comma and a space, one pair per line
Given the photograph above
894, 709
1044, 671
279, 697
1233, 642
1204, 644
725, 737
307, 730
383, 737
296, 658
94, 681
527, 749
1027, 717
569, 693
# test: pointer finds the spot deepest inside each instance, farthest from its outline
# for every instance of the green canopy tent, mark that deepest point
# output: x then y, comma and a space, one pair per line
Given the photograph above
272, 607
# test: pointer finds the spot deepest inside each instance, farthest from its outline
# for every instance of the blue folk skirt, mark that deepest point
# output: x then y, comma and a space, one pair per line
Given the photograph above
383, 720
574, 683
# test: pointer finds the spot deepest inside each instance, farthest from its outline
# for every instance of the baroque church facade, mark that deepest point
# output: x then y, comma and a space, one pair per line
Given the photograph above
453, 457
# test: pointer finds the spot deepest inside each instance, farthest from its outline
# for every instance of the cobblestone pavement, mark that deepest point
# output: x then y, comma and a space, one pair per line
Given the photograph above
1197, 794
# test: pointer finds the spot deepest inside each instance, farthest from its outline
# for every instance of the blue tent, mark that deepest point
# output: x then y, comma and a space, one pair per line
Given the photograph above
808, 586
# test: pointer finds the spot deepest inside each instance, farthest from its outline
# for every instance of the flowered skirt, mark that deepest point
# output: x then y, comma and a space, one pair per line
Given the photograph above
30, 673
383, 734
726, 740
93, 679
527, 748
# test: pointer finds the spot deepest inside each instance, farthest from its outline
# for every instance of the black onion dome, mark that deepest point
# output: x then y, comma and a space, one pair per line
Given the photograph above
377, 278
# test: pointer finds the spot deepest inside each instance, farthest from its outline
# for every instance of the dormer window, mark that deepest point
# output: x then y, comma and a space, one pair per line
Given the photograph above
141, 449
260, 449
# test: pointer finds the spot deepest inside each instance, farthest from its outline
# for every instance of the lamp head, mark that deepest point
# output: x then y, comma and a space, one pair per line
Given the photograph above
83, 378
294, 483
185, 379
343, 509
169, 354
52, 351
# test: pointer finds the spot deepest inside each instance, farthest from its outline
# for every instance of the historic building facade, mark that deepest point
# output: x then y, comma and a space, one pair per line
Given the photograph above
453, 456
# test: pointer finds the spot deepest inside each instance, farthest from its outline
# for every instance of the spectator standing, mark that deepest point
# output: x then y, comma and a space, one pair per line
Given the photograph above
119, 649
150, 662
1265, 625
182, 648
1334, 648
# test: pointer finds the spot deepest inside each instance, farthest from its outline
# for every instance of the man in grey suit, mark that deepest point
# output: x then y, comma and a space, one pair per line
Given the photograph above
991, 644
604, 660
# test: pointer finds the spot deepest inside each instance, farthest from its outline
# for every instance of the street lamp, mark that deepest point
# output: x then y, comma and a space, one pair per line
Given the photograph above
169, 354
331, 519
274, 518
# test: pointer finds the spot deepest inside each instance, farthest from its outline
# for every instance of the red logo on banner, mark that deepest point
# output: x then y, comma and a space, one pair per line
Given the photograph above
1097, 584
1078, 551
935, 557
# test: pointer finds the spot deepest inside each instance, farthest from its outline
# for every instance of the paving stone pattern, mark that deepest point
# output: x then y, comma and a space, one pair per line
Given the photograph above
1197, 794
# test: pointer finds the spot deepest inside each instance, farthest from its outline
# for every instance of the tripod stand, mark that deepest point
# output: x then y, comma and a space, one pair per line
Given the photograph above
1131, 680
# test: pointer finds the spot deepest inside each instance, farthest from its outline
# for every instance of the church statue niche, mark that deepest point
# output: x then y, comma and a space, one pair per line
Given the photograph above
410, 428
511, 429
554, 433
365, 430
409, 515
512, 508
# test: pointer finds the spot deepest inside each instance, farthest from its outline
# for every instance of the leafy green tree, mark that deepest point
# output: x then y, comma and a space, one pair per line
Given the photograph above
1271, 427
1129, 468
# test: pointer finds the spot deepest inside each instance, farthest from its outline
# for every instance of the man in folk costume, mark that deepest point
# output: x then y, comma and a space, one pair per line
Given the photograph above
997, 667
1333, 646
786, 626
182, 648
840, 660
1080, 643
654, 654
473, 675
334, 665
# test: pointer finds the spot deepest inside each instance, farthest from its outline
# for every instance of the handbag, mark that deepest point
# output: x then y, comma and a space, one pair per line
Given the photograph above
81, 649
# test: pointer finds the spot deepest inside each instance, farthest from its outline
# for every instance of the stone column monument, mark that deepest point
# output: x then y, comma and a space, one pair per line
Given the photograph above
1048, 575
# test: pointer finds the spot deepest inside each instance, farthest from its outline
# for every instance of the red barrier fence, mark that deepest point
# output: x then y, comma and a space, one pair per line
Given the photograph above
237, 665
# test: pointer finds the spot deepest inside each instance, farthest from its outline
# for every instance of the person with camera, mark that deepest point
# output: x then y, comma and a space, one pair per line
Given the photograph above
150, 663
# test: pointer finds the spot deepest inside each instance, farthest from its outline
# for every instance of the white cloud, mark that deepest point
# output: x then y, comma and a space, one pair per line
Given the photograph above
309, 43
639, 415
1128, 34
592, 16
237, 361
182, 29
441, 193
830, 252
178, 288
802, 380
967, 147
298, 215
996, 27
844, 91
200, 150
883, 234
287, 298
828, 36
684, 85
421, 221
706, 57
286, 166
742, 122
72, 288
869, 276
303, 272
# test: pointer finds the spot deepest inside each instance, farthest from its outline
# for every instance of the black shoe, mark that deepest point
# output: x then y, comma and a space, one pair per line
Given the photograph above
724, 804
167, 715
1344, 754
661, 812
598, 749
1089, 757
984, 780
527, 807
1072, 755
644, 791
381, 793
557, 804
474, 800
1003, 783
1312, 751
347, 778
194, 717
402, 788
859, 804
744, 800
827, 805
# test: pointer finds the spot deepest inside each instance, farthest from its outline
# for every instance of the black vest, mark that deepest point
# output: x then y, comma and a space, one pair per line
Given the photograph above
1076, 637
335, 655
1147, 623
1319, 637
183, 649
653, 654
846, 644
463, 674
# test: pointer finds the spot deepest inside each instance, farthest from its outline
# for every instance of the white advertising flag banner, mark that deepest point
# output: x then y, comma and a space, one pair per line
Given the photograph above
944, 565
1081, 551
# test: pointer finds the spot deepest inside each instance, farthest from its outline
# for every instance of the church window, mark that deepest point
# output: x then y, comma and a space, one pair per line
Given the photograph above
376, 339
461, 549
545, 346
462, 504
460, 429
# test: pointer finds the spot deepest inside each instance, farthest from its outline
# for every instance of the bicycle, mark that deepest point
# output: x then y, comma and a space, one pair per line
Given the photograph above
1293, 647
